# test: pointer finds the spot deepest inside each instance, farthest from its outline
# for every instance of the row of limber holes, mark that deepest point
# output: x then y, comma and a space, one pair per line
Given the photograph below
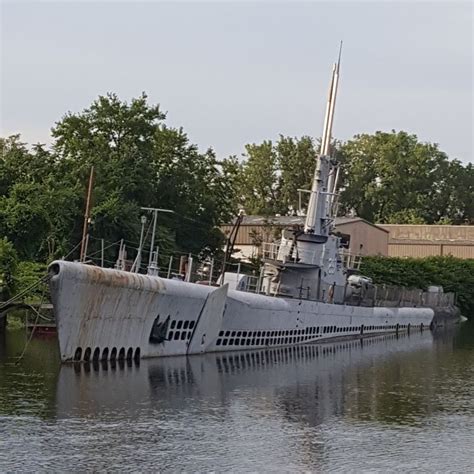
251, 338
182, 330
105, 355
268, 337
308, 330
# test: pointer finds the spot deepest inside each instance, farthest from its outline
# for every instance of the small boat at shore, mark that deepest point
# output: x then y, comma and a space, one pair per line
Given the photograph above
309, 290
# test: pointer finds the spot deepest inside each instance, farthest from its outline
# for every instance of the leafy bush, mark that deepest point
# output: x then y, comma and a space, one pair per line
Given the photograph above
8, 264
27, 274
453, 274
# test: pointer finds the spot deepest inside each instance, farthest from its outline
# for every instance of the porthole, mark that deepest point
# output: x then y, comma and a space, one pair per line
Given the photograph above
183, 335
186, 324
219, 341
176, 335
179, 325
191, 324
173, 324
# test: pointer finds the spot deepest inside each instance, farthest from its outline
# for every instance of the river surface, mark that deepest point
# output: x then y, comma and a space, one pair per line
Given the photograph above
381, 404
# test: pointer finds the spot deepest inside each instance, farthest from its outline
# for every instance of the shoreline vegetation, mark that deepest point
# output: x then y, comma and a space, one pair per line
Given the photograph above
453, 274
139, 161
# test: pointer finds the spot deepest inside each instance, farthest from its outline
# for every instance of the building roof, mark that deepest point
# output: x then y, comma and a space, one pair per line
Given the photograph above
467, 243
287, 221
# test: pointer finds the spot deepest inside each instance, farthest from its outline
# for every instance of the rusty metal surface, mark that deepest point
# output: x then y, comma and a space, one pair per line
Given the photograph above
109, 310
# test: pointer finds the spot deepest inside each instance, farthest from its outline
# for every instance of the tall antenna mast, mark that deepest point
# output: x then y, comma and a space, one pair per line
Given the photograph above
327, 132
320, 201
85, 228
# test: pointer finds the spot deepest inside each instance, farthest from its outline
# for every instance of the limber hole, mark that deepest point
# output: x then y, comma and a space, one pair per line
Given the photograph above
113, 353
78, 354
87, 354
137, 354
96, 354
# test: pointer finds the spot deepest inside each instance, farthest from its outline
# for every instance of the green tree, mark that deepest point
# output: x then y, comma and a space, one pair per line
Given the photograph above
272, 173
8, 265
139, 161
392, 177
35, 207
261, 182
296, 160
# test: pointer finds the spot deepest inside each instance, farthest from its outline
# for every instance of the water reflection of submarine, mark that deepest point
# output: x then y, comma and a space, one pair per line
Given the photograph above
174, 382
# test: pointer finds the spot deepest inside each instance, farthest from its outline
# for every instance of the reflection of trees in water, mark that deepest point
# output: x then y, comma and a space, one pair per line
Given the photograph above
365, 380
359, 378
28, 386
3, 345
396, 388
390, 378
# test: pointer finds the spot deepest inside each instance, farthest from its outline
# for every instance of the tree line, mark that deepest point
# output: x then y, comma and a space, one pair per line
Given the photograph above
140, 161
387, 177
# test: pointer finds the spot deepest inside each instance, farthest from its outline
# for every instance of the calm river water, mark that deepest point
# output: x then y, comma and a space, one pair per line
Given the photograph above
383, 404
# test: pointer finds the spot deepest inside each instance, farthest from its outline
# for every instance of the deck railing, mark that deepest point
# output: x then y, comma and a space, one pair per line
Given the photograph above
271, 251
209, 272
369, 296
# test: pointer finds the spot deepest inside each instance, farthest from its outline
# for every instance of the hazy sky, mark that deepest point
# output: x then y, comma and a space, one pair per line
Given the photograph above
233, 73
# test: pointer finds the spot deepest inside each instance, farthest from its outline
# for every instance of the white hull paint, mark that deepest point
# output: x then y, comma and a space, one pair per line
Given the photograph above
103, 313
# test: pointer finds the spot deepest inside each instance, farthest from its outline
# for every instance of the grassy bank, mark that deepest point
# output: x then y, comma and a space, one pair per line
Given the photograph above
453, 274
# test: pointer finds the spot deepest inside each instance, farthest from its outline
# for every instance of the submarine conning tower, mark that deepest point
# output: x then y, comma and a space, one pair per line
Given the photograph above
309, 263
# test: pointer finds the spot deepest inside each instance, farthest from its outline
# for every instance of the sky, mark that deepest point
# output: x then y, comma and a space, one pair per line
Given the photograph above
232, 73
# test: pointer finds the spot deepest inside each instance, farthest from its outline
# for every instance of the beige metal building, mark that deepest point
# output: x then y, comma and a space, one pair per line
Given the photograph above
360, 236
427, 240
